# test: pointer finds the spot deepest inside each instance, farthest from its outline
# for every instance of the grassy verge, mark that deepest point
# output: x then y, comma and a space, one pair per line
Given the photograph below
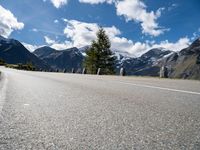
2, 62
28, 67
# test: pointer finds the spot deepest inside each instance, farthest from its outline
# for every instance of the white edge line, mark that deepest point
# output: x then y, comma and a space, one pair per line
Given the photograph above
3, 91
161, 88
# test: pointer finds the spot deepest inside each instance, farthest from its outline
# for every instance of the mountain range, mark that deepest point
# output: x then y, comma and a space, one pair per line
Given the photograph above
61, 60
13, 52
182, 64
144, 65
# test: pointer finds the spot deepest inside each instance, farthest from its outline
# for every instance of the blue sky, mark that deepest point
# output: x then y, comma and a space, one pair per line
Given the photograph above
134, 26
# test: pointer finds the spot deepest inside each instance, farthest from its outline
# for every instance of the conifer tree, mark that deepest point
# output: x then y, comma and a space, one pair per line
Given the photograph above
99, 55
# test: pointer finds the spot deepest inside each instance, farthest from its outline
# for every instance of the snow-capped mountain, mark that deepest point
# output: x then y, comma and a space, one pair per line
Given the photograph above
145, 64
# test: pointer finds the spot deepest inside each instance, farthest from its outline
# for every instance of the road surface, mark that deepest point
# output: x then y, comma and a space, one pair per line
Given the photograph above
59, 111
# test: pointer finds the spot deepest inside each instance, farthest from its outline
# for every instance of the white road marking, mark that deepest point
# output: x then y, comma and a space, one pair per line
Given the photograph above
3, 89
26, 104
160, 88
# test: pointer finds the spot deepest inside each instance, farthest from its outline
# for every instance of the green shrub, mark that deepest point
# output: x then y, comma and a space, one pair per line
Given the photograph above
2, 62
27, 66
20, 66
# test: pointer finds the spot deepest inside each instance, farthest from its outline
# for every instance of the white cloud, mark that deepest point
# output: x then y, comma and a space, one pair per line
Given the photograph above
8, 22
62, 46
56, 21
136, 10
35, 30
195, 35
48, 40
173, 6
125, 45
58, 45
30, 47
59, 3
96, 1
177, 46
82, 33
138, 48
45, 31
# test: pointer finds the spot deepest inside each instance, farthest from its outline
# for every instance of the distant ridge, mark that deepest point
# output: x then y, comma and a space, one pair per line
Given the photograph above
61, 59
13, 52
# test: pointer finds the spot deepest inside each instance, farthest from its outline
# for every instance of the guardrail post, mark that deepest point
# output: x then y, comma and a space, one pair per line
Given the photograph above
84, 71
73, 71
163, 72
79, 71
99, 71
122, 72
64, 70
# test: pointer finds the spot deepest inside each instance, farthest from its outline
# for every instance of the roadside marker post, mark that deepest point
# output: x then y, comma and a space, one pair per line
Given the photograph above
99, 71
73, 71
84, 71
122, 72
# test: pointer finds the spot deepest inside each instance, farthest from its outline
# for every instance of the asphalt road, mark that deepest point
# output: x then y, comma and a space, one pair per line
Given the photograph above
69, 111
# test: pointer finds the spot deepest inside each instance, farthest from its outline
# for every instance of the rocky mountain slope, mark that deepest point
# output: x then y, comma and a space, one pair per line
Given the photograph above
13, 52
184, 64
146, 64
62, 59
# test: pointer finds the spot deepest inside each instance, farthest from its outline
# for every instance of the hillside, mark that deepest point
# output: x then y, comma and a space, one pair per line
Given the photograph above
184, 64
63, 59
146, 64
13, 52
